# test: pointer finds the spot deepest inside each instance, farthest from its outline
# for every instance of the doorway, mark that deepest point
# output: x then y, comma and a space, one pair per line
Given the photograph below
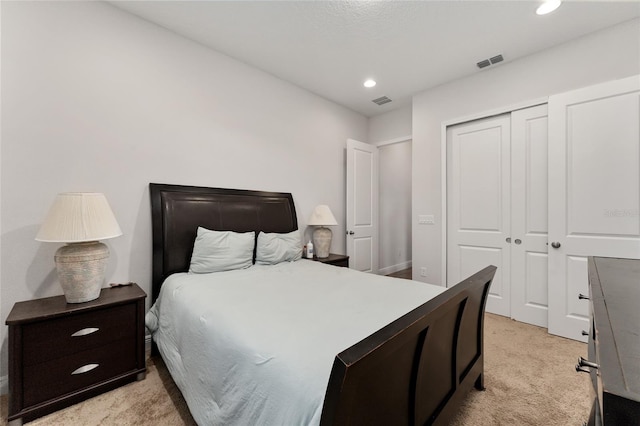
379, 206
395, 207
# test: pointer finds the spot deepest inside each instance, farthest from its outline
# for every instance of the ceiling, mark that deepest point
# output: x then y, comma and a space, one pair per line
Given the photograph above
331, 47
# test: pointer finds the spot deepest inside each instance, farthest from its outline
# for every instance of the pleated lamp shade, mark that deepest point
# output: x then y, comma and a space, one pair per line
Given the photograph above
77, 217
80, 219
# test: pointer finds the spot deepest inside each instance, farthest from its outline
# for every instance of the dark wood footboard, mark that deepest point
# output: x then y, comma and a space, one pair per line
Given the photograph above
416, 370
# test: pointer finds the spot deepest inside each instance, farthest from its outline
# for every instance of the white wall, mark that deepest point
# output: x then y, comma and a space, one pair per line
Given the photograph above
606, 55
390, 125
95, 99
394, 214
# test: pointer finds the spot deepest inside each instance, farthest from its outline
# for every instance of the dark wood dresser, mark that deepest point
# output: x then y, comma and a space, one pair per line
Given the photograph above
614, 341
61, 354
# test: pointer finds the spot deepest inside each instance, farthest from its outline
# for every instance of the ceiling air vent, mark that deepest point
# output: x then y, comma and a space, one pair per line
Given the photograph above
483, 64
496, 59
382, 100
491, 61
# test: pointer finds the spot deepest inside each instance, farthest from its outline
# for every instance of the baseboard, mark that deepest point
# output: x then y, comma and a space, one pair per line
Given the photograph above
395, 268
4, 385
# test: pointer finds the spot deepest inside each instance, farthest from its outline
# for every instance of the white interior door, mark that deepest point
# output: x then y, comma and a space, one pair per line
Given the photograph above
529, 195
362, 206
478, 205
594, 191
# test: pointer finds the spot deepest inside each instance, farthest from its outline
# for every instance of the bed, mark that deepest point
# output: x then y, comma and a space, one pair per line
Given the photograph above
412, 366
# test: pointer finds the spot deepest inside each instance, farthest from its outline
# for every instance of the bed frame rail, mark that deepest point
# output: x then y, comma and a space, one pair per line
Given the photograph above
417, 369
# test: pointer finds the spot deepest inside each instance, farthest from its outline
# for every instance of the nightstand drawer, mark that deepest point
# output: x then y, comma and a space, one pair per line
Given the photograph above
49, 340
51, 379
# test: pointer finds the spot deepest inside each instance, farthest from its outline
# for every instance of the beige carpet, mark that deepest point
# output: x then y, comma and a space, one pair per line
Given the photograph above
529, 377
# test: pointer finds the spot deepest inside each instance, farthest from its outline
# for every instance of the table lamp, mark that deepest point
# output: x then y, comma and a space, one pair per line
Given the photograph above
322, 217
80, 219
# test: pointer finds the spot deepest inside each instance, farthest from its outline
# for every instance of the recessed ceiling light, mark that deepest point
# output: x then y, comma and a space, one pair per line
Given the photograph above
369, 83
548, 7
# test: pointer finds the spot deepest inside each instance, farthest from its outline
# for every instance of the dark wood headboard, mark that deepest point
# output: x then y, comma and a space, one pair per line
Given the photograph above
177, 211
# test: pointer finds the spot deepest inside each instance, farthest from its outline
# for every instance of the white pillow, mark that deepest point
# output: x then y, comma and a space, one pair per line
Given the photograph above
215, 251
274, 248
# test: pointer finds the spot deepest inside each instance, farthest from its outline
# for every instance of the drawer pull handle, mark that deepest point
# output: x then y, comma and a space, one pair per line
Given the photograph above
84, 369
85, 331
583, 364
582, 369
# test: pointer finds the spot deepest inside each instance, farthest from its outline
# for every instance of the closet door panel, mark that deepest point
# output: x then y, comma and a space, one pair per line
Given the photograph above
536, 295
478, 205
594, 192
534, 166
576, 272
475, 258
479, 166
602, 166
529, 225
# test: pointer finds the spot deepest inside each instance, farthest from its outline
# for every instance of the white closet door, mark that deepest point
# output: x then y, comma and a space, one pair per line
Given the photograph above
594, 191
529, 194
478, 192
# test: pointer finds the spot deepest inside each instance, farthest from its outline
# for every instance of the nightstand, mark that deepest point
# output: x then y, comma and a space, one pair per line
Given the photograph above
334, 259
61, 354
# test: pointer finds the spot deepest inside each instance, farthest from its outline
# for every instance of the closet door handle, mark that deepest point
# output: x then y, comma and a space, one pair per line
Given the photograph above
555, 244
508, 240
518, 241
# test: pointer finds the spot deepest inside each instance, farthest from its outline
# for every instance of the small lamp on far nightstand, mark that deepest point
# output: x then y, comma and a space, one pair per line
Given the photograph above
322, 217
80, 219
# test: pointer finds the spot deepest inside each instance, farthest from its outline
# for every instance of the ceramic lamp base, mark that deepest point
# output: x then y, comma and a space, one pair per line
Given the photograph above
81, 268
322, 242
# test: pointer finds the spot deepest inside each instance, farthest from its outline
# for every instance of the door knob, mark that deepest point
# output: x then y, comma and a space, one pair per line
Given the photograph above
518, 241
508, 240
350, 232
555, 244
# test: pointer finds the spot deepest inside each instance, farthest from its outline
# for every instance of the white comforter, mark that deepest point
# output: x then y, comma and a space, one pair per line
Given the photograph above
256, 346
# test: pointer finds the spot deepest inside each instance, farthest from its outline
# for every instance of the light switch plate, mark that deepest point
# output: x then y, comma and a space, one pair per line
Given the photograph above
426, 219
